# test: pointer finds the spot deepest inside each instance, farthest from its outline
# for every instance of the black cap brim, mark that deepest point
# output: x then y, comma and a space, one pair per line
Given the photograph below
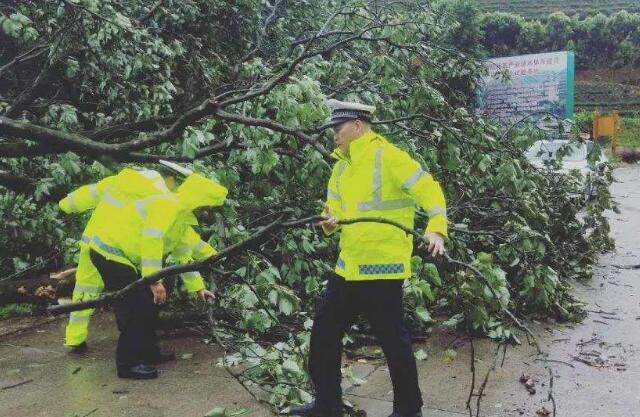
340, 120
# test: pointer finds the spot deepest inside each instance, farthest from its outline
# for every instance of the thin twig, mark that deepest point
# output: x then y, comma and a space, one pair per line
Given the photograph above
90, 412
473, 375
551, 397
16, 385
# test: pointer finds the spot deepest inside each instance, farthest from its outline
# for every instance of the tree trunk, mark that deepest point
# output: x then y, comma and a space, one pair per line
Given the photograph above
42, 289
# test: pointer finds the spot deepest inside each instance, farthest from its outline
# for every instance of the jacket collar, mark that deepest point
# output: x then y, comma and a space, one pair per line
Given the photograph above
357, 148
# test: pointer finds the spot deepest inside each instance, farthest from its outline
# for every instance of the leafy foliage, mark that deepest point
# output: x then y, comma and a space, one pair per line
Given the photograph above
599, 41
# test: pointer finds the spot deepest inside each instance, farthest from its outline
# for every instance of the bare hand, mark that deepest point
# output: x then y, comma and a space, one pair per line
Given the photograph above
159, 293
331, 222
206, 296
436, 244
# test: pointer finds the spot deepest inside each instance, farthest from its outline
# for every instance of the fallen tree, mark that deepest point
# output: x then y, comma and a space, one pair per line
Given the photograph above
44, 289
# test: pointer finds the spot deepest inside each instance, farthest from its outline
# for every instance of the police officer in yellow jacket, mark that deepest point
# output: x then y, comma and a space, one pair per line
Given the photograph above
114, 191
132, 245
372, 178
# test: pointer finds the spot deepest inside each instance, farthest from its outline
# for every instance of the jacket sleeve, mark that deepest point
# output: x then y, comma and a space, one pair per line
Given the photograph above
161, 215
426, 192
333, 202
86, 197
192, 247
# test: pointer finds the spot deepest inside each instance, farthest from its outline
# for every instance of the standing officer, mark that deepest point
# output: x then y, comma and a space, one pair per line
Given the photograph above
132, 244
371, 178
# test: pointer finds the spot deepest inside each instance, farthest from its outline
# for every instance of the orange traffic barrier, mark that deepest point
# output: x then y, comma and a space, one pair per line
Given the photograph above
607, 126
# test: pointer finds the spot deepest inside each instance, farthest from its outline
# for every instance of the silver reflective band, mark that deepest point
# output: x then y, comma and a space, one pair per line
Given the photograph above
332, 195
87, 288
107, 248
93, 189
386, 205
151, 232
436, 211
140, 209
190, 275
161, 185
413, 179
377, 203
200, 246
74, 318
377, 176
149, 173
341, 167
151, 263
86, 239
113, 201
72, 201
181, 251
340, 263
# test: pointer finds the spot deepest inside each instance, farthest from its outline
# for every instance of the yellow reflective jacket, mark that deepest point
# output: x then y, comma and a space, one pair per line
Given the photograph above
114, 191
141, 233
378, 179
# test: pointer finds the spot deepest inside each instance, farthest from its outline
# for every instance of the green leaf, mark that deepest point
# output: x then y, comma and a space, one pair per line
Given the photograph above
285, 305
291, 366
421, 355
264, 161
423, 314
217, 412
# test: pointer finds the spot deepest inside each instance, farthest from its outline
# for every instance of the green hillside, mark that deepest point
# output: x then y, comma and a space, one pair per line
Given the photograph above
542, 8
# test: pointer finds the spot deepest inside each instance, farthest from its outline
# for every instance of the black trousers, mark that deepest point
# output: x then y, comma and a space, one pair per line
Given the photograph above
136, 314
381, 303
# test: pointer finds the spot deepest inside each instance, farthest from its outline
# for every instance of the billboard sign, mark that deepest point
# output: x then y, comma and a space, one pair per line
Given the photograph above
538, 83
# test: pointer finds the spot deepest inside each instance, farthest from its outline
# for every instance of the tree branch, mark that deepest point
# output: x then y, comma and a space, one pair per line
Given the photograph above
170, 271
32, 53
29, 94
263, 32
22, 149
293, 65
54, 138
126, 129
151, 12
256, 237
13, 182
274, 126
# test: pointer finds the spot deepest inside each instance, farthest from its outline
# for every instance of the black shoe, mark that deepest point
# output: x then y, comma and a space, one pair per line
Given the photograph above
138, 372
161, 357
79, 349
396, 414
313, 410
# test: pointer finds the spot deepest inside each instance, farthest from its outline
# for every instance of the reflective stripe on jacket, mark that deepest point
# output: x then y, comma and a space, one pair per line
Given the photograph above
143, 232
111, 192
378, 179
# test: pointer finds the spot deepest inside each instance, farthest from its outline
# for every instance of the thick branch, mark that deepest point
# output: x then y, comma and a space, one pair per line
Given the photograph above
18, 184
170, 271
271, 125
206, 108
35, 290
126, 129
20, 149
256, 237
50, 137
